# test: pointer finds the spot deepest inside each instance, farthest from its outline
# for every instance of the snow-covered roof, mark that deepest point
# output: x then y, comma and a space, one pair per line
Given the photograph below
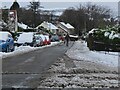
21, 25
67, 25
63, 23
63, 28
74, 36
47, 25
93, 30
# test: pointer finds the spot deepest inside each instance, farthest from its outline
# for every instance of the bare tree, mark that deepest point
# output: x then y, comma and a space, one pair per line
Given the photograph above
35, 6
84, 18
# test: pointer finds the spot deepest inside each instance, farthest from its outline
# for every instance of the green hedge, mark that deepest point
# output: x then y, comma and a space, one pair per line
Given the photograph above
100, 41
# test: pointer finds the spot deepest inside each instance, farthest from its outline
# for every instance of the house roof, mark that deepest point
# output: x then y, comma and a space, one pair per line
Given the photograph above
67, 25
63, 28
23, 26
47, 25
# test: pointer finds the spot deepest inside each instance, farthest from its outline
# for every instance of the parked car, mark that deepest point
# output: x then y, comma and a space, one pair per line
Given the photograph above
26, 39
44, 39
54, 38
61, 38
39, 40
6, 42
48, 39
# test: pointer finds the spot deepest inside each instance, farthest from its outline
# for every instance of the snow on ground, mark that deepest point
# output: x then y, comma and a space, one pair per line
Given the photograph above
80, 51
24, 49
63, 76
83, 69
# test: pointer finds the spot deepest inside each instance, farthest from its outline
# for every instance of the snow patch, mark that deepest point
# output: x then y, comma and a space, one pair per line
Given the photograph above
24, 49
80, 51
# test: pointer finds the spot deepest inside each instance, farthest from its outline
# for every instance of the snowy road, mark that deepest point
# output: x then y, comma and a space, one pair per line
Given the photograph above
25, 70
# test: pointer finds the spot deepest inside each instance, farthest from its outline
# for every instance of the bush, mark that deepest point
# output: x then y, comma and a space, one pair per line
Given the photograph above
107, 39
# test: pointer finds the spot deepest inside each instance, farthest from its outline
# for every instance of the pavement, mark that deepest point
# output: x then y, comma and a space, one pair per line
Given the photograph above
64, 74
26, 70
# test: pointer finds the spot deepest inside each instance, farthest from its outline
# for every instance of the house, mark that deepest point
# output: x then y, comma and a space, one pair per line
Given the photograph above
2, 24
24, 27
65, 28
48, 26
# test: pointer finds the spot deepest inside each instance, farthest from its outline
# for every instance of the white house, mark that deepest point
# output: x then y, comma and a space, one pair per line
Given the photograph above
23, 26
48, 26
65, 28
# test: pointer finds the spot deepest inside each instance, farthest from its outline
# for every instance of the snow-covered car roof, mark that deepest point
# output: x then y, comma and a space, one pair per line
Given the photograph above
25, 37
42, 36
47, 37
4, 35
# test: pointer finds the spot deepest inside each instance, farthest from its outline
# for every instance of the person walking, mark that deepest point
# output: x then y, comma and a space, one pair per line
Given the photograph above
67, 38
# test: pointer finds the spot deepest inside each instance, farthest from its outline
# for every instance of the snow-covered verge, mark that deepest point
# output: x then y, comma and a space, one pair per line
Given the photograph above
62, 76
80, 51
24, 49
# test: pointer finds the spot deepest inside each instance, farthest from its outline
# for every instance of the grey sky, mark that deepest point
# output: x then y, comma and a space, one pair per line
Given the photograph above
60, 5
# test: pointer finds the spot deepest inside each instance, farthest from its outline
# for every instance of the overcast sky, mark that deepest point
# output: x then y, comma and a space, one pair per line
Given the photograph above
62, 4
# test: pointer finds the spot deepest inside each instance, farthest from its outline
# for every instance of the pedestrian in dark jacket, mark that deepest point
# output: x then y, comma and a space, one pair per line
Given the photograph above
67, 38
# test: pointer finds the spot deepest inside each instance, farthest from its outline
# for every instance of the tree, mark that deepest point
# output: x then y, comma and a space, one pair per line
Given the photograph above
22, 13
5, 15
84, 18
34, 6
15, 6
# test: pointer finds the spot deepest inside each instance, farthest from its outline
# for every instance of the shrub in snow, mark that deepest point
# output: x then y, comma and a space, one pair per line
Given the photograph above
108, 38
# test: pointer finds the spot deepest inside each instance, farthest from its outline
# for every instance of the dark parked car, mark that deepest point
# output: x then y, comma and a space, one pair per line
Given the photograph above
6, 42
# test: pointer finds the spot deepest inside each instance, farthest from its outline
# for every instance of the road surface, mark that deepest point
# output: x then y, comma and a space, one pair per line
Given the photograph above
25, 71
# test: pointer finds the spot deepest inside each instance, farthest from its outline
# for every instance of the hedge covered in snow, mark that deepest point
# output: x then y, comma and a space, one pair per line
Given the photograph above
108, 38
